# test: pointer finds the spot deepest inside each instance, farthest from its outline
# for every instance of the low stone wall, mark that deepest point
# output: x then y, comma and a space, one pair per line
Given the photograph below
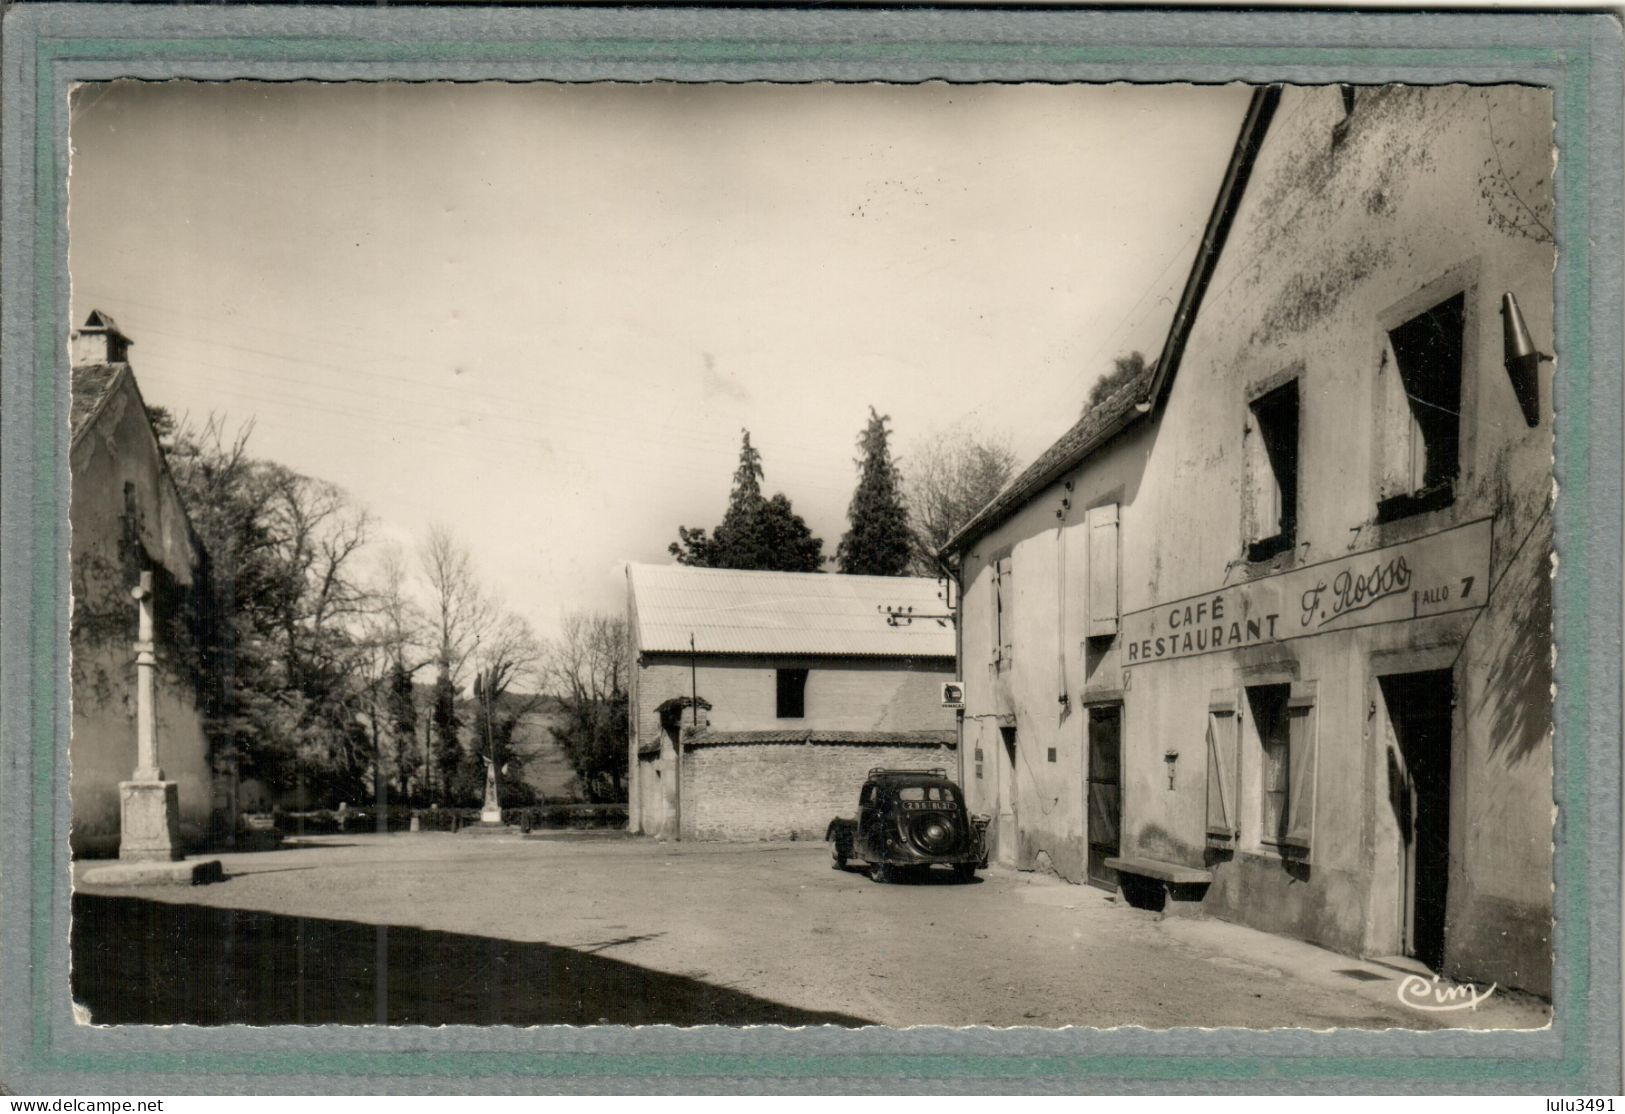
788, 790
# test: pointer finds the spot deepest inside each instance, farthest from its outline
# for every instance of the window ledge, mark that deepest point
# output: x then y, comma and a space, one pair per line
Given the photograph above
1412, 503
1280, 561
1271, 549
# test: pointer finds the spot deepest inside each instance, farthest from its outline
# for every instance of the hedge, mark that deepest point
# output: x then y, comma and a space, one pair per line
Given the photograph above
398, 818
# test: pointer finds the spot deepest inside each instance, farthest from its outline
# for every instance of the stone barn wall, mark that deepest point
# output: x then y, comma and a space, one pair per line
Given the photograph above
743, 789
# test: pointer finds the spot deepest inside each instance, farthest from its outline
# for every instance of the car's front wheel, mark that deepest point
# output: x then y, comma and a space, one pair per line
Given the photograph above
966, 872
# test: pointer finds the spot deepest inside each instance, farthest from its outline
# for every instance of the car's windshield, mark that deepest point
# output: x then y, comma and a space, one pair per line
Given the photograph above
925, 793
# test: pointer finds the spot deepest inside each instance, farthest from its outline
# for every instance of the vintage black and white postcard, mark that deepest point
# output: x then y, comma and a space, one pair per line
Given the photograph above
1028, 557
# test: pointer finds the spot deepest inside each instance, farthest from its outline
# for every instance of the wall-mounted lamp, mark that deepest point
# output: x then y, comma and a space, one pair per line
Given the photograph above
1170, 757
1522, 359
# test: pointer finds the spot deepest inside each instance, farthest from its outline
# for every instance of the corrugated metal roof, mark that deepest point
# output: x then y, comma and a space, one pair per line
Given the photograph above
946, 737
732, 611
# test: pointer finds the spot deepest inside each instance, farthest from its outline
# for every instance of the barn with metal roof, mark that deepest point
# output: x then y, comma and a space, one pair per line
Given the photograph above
759, 700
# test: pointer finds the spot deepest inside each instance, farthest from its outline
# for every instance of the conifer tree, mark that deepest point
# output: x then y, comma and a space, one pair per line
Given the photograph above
401, 713
755, 532
878, 541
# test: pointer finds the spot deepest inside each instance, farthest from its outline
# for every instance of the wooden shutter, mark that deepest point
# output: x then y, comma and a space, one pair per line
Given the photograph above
1102, 571
1007, 608
1000, 611
1223, 739
1301, 734
1264, 485
1398, 439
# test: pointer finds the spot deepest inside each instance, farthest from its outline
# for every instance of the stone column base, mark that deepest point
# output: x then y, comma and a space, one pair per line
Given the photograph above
149, 822
190, 872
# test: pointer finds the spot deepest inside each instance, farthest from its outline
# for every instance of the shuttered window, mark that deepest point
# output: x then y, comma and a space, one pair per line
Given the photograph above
1301, 735
1419, 423
1003, 609
1102, 571
1272, 473
1223, 751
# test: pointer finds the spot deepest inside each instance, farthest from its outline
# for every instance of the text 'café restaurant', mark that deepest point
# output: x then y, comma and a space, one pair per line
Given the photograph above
1378, 587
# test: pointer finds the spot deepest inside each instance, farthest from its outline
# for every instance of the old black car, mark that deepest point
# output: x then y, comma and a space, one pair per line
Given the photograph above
909, 820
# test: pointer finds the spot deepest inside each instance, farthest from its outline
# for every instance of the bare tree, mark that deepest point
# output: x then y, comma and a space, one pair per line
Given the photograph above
399, 623
286, 622
587, 668
459, 617
399, 651
947, 480
459, 612
507, 674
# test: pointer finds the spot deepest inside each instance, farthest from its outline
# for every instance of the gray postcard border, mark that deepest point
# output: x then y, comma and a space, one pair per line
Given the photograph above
48, 47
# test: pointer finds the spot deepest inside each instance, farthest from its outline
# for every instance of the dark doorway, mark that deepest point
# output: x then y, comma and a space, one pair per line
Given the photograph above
1420, 708
1007, 838
1105, 791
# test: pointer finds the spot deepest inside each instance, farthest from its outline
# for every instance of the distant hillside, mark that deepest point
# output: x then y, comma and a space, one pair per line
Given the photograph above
547, 767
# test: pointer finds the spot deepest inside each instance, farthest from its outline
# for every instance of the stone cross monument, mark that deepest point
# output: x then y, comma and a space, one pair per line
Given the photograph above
149, 806
149, 846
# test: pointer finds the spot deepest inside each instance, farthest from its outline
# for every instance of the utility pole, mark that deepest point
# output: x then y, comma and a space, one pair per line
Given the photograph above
694, 721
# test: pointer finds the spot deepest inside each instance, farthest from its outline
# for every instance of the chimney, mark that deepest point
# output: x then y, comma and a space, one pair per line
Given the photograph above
99, 341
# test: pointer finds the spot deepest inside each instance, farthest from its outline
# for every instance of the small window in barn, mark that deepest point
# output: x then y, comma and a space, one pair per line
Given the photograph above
1420, 418
792, 693
1272, 473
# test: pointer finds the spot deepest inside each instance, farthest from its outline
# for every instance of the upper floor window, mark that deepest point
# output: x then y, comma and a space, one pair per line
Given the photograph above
1003, 610
1103, 560
1419, 435
1272, 473
792, 693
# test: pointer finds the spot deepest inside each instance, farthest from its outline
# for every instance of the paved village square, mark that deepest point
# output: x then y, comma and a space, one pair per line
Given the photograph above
598, 930
886, 573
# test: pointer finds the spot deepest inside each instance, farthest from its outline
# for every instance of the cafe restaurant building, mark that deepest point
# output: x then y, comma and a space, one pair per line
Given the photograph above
1267, 634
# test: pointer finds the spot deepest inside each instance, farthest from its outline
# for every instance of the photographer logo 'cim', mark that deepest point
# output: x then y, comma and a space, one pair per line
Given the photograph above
1434, 995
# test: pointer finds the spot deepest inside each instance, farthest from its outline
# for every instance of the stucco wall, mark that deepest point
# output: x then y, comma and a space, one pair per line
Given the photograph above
116, 450
1038, 805
1347, 228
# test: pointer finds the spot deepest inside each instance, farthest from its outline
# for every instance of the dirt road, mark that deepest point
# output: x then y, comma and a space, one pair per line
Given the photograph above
432, 929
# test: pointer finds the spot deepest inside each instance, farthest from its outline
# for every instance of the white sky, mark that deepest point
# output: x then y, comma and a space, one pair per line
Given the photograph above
541, 313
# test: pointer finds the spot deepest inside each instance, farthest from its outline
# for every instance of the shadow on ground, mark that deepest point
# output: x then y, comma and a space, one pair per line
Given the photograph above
151, 962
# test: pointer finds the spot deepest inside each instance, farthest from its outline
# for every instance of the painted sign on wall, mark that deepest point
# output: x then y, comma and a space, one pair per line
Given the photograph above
1443, 572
